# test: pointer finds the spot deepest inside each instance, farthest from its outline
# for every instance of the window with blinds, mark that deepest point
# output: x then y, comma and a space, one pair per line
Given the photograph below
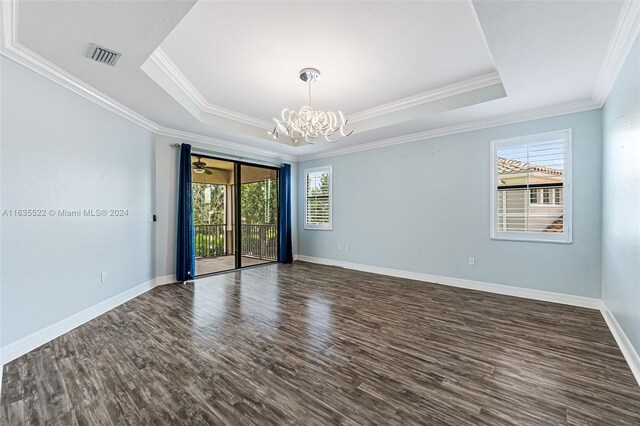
318, 213
531, 187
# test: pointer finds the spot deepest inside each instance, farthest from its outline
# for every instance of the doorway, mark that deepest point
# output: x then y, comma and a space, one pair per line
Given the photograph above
227, 193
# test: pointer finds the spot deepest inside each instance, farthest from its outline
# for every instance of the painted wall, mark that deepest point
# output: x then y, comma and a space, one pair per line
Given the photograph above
61, 151
621, 199
424, 207
166, 164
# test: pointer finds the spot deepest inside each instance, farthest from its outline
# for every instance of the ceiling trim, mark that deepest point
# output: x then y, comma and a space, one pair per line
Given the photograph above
208, 140
164, 62
175, 74
13, 50
627, 30
443, 92
568, 108
29, 59
624, 36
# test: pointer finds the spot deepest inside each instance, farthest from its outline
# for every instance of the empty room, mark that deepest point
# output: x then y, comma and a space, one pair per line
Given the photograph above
320, 212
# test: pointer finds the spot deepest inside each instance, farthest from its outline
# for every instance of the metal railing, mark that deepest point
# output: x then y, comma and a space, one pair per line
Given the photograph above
260, 241
210, 240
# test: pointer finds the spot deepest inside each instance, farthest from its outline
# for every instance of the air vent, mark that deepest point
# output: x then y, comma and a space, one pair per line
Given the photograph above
103, 55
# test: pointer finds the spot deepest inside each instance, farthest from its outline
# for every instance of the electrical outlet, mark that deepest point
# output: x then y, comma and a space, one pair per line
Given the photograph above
348, 247
103, 277
339, 246
472, 261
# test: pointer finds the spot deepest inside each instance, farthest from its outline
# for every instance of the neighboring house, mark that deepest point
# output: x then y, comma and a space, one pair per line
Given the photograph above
530, 197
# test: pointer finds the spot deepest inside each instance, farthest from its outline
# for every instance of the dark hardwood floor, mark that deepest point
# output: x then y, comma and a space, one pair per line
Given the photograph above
307, 344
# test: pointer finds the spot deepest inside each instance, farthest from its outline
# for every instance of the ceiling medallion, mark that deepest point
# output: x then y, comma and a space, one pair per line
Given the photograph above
308, 123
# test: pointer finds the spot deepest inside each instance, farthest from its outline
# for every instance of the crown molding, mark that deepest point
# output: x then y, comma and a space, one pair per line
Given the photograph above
36, 63
162, 60
627, 30
219, 143
13, 50
175, 74
624, 36
443, 92
568, 108
8, 18
25, 57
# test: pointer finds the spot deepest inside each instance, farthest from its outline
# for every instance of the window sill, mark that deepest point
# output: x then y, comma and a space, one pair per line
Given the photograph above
532, 240
312, 228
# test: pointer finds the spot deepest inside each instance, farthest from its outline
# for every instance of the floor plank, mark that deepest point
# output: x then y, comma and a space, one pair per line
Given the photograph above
211, 265
307, 344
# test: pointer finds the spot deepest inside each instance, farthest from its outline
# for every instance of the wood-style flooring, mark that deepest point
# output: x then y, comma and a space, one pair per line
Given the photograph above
307, 344
210, 265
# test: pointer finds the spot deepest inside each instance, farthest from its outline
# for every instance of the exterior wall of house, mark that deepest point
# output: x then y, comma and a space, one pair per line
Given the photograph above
517, 213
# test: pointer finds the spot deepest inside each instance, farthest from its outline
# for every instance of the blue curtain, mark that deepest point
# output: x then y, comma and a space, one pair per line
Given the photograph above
186, 250
284, 232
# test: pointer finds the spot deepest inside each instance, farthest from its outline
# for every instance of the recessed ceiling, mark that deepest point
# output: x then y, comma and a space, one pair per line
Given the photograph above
242, 59
245, 56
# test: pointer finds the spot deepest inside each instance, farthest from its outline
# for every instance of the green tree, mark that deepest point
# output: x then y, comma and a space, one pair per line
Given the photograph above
260, 202
208, 204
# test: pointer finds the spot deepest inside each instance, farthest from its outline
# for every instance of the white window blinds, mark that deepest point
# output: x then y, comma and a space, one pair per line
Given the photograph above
531, 184
318, 198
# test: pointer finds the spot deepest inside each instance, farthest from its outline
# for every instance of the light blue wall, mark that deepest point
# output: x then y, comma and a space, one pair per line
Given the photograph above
424, 207
61, 151
621, 199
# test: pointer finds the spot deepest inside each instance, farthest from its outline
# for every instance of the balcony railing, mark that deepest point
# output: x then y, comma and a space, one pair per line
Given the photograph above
259, 241
210, 240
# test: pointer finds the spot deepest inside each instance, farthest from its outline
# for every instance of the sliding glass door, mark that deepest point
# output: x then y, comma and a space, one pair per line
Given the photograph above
226, 193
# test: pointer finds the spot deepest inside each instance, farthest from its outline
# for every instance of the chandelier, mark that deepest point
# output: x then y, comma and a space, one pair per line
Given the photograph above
308, 123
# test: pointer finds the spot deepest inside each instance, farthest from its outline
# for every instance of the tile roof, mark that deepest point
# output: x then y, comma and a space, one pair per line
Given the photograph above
506, 166
556, 226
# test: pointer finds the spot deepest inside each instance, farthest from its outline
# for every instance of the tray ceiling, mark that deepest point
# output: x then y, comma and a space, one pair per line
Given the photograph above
245, 56
221, 70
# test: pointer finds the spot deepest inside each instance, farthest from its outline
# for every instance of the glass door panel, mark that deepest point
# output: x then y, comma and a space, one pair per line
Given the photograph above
258, 214
214, 214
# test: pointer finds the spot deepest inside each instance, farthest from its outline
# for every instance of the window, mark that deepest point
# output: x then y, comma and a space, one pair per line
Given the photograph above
531, 188
318, 198
558, 196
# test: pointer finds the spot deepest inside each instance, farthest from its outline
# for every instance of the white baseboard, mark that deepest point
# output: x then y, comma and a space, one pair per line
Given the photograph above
547, 296
40, 337
629, 352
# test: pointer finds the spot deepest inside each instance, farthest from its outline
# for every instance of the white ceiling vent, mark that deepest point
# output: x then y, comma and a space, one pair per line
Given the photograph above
103, 55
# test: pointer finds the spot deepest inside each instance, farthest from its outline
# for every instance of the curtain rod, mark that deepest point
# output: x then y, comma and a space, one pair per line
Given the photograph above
225, 156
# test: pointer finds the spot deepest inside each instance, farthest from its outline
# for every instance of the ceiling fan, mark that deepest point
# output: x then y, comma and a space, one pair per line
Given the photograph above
201, 167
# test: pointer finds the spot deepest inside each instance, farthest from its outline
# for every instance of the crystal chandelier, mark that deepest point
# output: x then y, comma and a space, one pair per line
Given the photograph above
308, 123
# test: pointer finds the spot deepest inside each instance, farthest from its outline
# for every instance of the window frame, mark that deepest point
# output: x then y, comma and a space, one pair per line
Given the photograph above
566, 237
313, 226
